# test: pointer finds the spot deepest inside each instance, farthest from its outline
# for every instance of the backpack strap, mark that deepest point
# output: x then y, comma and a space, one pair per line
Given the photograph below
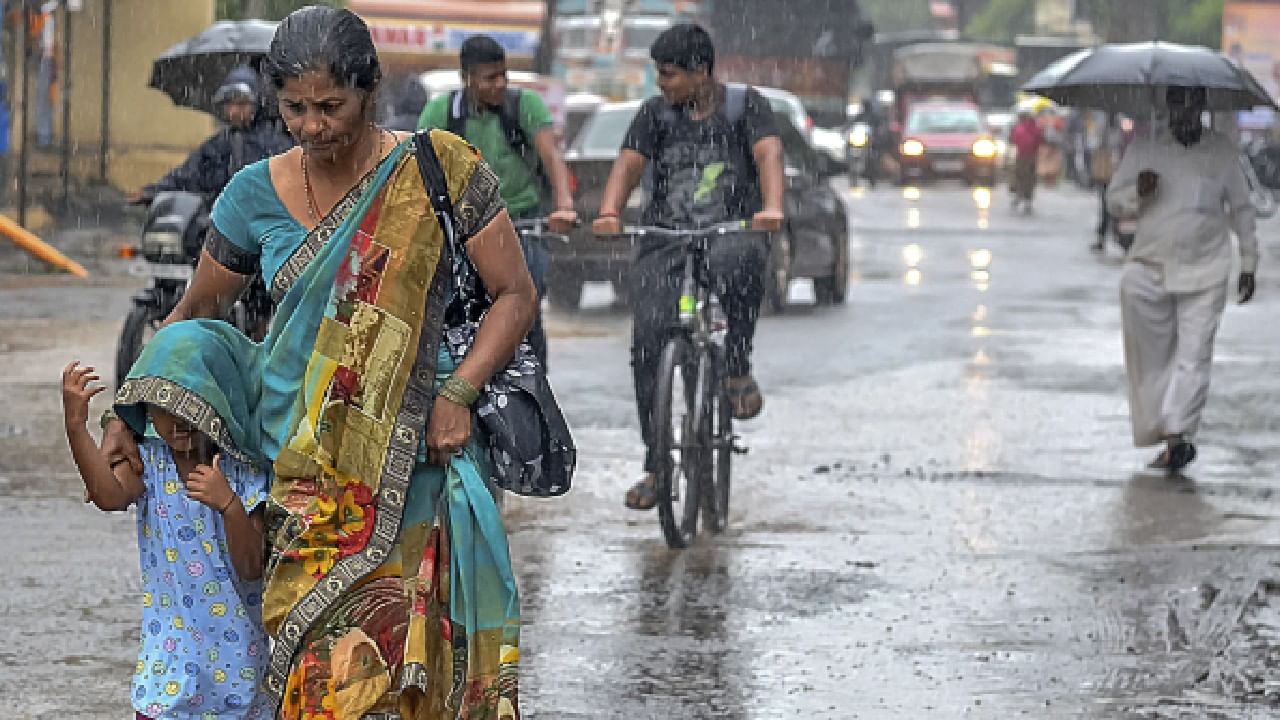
458, 109
509, 115
437, 186
735, 101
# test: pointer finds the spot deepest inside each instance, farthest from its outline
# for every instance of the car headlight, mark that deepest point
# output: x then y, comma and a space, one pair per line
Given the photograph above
984, 149
162, 243
913, 148
859, 137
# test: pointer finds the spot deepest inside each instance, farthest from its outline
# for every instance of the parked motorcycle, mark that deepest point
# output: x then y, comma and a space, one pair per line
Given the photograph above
172, 238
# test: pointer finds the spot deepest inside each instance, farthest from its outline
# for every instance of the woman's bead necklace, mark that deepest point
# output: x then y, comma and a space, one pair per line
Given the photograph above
306, 177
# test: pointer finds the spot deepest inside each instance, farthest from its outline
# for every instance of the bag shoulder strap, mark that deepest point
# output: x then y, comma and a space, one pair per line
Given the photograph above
457, 116
437, 186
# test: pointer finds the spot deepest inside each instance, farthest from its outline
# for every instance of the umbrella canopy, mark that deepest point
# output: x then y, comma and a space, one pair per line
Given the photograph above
191, 71
1131, 78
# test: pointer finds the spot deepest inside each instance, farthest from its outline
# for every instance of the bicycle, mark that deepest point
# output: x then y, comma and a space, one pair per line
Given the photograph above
692, 416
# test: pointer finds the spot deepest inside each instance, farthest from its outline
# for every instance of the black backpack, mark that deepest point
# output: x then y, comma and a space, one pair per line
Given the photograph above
517, 138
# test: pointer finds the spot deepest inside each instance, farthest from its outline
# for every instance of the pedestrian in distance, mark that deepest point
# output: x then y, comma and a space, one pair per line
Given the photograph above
1027, 138
512, 128
1188, 192
198, 489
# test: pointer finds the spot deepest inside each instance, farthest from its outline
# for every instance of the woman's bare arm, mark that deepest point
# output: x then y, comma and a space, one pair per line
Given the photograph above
495, 251
212, 292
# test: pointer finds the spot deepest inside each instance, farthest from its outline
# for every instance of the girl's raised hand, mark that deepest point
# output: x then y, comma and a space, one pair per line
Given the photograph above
77, 392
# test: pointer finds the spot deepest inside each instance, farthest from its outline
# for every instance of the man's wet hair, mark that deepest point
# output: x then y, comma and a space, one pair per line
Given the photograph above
687, 46
480, 50
324, 38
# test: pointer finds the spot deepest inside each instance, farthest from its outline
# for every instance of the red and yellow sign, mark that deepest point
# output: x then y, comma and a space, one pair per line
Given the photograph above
422, 30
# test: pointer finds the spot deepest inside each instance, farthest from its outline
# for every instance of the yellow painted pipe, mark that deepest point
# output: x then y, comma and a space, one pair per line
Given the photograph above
39, 248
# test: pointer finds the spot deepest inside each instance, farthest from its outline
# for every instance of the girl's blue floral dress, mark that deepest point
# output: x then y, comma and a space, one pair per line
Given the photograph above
203, 646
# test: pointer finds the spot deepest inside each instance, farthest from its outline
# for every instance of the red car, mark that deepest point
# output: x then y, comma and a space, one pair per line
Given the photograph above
947, 139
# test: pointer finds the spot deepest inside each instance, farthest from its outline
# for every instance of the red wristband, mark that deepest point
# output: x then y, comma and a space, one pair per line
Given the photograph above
603, 215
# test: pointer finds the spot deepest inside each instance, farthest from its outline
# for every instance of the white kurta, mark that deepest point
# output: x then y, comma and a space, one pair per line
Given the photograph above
1174, 286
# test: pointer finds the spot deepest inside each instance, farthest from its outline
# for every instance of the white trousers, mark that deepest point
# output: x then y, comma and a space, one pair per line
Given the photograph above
1168, 351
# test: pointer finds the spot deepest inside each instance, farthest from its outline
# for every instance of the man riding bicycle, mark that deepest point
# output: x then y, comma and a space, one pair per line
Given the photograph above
512, 129
715, 156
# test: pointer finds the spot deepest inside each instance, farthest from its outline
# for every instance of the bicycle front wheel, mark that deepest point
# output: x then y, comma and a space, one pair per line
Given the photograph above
679, 454
717, 427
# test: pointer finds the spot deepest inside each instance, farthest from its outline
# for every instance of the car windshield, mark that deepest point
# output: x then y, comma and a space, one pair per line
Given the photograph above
944, 120
605, 131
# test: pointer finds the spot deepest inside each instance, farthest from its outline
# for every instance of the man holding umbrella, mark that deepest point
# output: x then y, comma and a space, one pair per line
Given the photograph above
249, 136
1187, 190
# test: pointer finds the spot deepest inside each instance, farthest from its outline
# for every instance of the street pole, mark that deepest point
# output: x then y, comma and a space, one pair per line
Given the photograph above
105, 137
25, 130
66, 104
544, 61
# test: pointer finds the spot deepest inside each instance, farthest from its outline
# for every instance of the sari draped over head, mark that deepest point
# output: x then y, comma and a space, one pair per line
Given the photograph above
204, 372
389, 586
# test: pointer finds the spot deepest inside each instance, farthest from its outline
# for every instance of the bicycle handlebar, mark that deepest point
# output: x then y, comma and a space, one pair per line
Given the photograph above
737, 228
538, 226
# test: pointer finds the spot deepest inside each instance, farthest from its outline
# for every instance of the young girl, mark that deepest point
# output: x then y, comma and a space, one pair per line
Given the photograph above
200, 535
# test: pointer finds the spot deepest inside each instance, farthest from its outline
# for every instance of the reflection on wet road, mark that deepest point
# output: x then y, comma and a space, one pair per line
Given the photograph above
940, 515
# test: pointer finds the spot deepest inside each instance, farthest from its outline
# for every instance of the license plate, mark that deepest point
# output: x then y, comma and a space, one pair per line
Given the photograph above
163, 271
948, 165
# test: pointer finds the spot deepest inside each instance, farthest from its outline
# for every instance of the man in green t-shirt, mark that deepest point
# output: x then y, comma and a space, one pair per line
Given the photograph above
512, 129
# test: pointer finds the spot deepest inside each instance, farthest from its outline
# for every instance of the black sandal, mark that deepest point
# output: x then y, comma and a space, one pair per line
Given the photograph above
643, 495
1181, 455
739, 396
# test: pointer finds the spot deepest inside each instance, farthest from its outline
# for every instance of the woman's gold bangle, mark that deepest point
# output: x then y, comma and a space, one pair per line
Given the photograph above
458, 391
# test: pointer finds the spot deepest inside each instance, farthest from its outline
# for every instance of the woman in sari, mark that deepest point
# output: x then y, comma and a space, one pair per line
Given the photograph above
389, 588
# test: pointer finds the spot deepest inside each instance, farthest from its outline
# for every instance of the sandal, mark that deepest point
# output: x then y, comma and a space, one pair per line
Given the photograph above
746, 400
1175, 457
1181, 455
643, 495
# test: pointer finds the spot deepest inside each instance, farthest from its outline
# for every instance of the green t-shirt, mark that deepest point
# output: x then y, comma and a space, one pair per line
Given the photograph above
519, 182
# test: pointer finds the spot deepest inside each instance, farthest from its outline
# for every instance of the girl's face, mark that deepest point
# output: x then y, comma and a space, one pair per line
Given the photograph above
326, 118
181, 437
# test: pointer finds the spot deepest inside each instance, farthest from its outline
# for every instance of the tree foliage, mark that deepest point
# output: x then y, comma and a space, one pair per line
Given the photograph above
1189, 21
1003, 20
896, 15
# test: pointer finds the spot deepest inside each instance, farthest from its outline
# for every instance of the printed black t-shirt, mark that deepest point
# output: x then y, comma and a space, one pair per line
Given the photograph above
703, 171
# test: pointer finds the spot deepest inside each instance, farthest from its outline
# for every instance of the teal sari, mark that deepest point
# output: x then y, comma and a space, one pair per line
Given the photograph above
389, 588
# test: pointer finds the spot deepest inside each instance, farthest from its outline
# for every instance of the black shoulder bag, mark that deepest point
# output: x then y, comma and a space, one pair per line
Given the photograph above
530, 447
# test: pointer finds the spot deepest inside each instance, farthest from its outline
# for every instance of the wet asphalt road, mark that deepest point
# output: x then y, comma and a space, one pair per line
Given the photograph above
941, 514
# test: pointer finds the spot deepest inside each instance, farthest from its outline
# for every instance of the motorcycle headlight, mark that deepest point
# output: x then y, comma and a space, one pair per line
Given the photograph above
984, 149
913, 148
162, 243
859, 137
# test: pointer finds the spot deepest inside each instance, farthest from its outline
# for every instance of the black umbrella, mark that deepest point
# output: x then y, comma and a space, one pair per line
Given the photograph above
1131, 78
191, 71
